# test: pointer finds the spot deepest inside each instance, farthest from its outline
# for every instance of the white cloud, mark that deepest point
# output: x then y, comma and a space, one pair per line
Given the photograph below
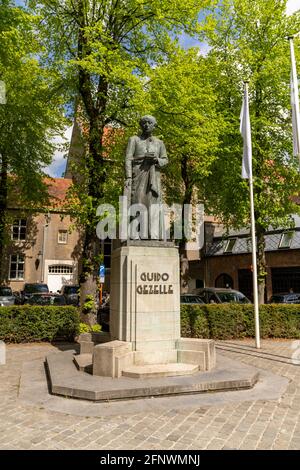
292, 6
58, 165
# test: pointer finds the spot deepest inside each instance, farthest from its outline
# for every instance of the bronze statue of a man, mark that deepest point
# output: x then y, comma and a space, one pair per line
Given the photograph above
145, 156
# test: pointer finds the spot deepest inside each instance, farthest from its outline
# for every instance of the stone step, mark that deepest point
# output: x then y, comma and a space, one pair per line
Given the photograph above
159, 370
84, 362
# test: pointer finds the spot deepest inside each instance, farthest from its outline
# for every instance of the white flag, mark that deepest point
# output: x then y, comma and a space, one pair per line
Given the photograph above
294, 119
295, 103
245, 130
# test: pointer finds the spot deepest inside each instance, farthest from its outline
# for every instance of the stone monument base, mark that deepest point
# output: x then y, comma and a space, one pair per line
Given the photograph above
117, 358
67, 381
145, 319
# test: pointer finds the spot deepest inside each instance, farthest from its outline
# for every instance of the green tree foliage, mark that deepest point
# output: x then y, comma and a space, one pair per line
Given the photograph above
105, 50
184, 101
30, 117
249, 42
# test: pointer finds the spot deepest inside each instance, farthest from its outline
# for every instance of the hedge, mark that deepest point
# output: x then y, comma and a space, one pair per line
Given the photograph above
28, 323
233, 321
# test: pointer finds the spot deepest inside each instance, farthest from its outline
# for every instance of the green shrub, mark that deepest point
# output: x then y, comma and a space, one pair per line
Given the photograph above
28, 323
85, 328
280, 321
234, 321
227, 321
89, 304
194, 323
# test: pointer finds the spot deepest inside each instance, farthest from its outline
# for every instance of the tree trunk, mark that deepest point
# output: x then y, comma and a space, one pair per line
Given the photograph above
91, 248
184, 271
3, 209
88, 279
261, 264
95, 110
187, 197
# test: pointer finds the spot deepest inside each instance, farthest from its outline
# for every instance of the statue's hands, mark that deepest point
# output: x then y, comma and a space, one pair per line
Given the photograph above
128, 183
151, 158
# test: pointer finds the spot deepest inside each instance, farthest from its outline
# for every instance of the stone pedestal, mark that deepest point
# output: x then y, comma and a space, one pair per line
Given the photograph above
145, 297
145, 318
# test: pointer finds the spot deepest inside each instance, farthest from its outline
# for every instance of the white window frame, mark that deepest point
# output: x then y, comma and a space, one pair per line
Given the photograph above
227, 245
62, 242
18, 256
60, 269
290, 234
17, 223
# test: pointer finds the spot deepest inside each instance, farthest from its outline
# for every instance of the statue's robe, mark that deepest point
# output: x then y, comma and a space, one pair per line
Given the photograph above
146, 178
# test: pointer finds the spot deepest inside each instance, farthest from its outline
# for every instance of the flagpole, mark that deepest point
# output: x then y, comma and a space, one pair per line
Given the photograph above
253, 242
296, 96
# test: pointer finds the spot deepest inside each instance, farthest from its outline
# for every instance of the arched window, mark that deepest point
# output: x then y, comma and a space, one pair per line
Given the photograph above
224, 280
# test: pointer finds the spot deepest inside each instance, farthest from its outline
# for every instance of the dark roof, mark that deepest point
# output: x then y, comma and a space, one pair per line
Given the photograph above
243, 243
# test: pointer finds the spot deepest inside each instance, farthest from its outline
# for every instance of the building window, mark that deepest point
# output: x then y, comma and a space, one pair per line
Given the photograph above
286, 240
224, 281
60, 269
199, 283
18, 232
229, 245
62, 236
16, 267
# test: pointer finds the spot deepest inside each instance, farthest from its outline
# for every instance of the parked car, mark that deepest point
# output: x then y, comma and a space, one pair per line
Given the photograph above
46, 299
218, 295
71, 294
190, 299
18, 298
290, 298
33, 288
6, 296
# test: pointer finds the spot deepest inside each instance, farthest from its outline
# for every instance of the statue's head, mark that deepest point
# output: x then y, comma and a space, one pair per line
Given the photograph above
148, 123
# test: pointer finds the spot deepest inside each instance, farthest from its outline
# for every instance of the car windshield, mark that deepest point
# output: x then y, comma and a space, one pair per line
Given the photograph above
191, 299
278, 299
30, 288
232, 297
5, 291
71, 290
46, 300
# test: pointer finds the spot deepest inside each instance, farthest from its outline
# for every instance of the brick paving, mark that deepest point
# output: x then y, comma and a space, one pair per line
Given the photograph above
261, 424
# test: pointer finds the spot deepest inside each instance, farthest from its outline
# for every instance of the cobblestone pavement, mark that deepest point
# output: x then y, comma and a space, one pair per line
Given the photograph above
271, 424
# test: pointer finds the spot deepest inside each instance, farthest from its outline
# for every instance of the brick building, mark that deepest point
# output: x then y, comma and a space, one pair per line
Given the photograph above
225, 260
42, 248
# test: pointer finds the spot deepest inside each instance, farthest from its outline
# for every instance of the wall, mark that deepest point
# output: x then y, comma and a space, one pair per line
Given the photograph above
42, 248
210, 268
